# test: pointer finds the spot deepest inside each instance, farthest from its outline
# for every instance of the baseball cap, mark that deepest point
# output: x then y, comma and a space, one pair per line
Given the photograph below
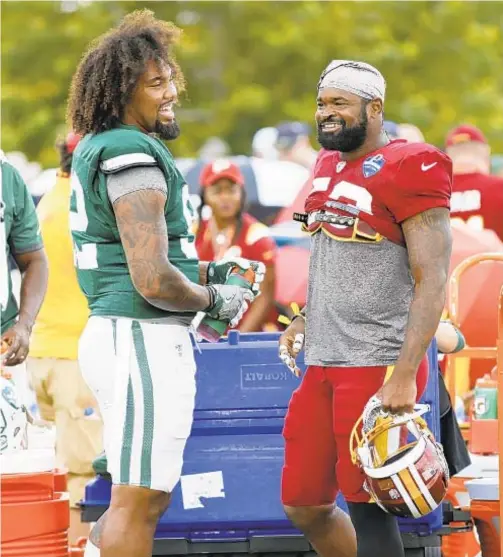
71, 140
391, 128
289, 132
464, 134
221, 168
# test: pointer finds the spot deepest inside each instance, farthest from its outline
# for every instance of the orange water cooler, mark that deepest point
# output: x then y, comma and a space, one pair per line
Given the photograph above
485, 512
460, 543
35, 509
485, 435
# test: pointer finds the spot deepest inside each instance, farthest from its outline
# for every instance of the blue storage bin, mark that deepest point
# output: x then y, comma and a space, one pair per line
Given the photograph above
230, 485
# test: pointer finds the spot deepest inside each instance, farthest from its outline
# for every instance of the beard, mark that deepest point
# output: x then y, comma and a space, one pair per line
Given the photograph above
167, 131
347, 139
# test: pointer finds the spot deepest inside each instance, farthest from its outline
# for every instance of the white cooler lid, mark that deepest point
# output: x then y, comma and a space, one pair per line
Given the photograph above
28, 461
483, 489
482, 466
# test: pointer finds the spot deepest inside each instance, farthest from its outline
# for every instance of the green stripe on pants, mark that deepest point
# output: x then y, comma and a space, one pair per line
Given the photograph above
127, 436
114, 334
148, 404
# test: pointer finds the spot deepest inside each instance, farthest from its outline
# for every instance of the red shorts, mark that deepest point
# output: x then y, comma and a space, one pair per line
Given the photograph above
318, 425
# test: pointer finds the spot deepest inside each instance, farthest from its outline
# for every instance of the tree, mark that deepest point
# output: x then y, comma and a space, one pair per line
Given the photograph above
253, 64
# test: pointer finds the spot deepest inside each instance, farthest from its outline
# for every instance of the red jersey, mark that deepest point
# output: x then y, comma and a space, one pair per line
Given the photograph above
252, 242
379, 191
477, 199
359, 287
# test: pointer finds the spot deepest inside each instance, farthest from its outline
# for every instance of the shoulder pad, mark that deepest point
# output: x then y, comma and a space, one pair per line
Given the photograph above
128, 160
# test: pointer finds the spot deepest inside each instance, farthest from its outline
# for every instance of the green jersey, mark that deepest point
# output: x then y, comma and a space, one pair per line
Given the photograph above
99, 257
19, 233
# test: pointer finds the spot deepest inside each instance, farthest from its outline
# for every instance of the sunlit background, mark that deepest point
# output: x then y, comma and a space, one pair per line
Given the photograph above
254, 64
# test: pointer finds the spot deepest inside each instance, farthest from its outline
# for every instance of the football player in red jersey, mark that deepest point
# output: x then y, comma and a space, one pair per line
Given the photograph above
231, 232
378, 213
477, 196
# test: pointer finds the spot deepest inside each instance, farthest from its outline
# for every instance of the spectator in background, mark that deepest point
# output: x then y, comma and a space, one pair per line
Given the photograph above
214, 148
391, 129
497, 165
62, 394
292, 144
19, 236
226, 230
411, 133
450, 340
263, 144
477, 196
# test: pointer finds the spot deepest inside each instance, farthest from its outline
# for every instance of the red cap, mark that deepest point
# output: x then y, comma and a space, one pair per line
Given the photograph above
72, 140
464, 134
216, 170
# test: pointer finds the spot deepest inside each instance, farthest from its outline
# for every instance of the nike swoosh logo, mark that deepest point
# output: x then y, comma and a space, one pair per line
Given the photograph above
425, 167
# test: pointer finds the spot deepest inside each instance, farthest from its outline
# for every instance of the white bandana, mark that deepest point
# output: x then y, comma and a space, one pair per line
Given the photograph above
355, 77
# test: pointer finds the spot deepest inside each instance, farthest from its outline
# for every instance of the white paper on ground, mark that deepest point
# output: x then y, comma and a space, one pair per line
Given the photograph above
196, 486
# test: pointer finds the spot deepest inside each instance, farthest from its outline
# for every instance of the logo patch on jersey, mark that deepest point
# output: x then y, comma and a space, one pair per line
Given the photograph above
373, 165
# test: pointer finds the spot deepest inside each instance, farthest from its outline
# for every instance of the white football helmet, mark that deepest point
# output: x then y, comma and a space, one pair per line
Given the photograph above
405, 469
13, 419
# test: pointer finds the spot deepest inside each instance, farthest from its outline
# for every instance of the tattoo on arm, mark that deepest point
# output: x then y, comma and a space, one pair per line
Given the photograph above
428, 239
142, 227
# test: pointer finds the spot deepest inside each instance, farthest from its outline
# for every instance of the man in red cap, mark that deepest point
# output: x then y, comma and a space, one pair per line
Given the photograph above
226, 230
477, 196
62, 394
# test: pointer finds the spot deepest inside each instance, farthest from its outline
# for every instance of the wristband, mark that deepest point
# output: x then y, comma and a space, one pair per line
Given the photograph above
213, 297
461, 341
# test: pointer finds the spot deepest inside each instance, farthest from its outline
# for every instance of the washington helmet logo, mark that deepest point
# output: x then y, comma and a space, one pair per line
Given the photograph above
373, 165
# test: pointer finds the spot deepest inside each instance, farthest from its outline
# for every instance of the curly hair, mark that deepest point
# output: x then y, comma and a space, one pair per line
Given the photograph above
108, 73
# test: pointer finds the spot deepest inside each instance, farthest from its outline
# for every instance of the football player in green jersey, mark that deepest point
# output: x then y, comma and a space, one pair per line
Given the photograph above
19, 236
136, 262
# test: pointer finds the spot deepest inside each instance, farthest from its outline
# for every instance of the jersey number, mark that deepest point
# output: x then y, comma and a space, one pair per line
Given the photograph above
188, 247
87, 256
360, 196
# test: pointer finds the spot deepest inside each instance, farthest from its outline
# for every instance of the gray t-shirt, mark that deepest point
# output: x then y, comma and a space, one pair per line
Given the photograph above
139, 178
359, 295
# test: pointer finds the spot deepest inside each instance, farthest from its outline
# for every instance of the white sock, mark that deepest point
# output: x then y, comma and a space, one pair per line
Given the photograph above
91, 550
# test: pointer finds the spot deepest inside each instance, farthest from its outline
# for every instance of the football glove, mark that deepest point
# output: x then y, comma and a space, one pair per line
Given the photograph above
219, 271
228, 302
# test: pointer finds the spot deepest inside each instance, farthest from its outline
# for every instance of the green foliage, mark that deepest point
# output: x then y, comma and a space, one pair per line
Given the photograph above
253, 64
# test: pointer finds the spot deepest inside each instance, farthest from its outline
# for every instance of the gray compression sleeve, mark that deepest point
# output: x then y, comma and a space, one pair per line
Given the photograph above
134, 179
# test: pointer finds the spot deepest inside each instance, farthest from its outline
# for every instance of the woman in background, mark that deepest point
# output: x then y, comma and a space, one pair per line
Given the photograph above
450, 340
225, 230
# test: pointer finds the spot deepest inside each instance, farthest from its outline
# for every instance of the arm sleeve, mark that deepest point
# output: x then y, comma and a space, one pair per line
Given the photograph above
25, 231
134, 179
423, 181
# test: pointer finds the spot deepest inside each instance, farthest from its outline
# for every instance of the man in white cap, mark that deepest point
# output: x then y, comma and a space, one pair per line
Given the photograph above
378, 213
